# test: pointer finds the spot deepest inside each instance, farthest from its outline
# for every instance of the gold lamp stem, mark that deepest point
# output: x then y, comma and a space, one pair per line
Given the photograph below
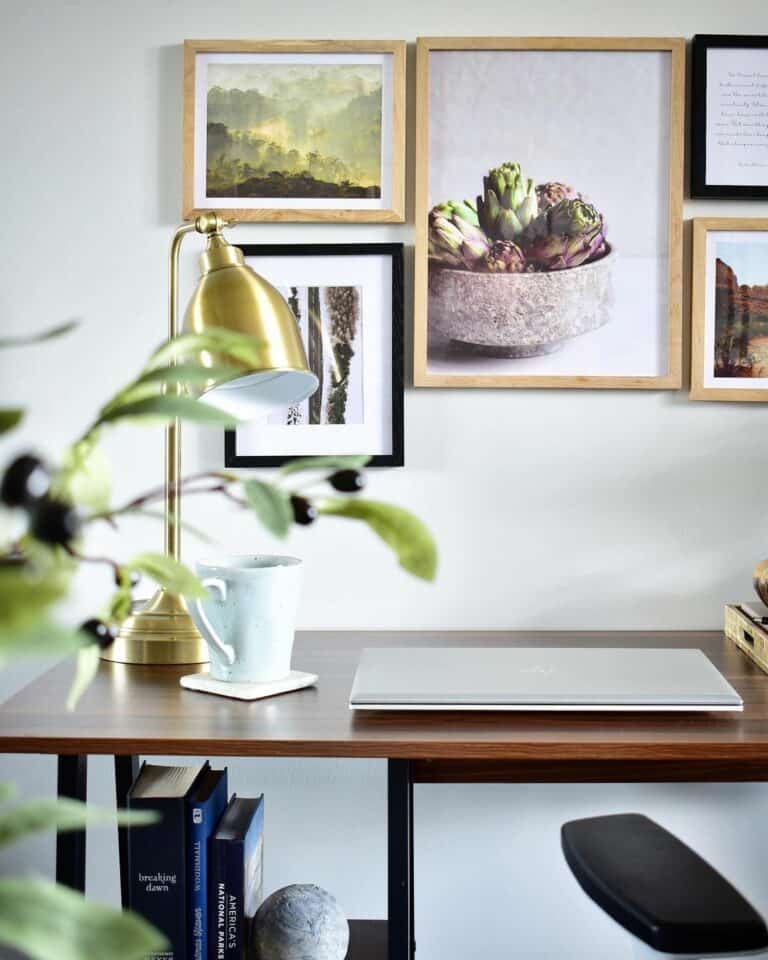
163, 632
173, 430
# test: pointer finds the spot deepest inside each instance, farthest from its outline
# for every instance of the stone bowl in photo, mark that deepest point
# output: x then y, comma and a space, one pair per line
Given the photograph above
520, 314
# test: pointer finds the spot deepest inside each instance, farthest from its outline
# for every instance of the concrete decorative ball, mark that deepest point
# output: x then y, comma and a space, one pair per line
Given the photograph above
300, 922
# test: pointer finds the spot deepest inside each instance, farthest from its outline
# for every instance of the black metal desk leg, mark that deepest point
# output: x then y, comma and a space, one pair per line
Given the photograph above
402, 945
70, 847
126, 769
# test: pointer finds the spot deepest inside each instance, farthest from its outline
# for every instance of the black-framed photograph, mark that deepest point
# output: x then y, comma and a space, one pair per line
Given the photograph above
348, 303
729, 119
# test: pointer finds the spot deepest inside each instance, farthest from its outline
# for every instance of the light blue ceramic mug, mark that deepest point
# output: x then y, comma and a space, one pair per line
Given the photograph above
249, 615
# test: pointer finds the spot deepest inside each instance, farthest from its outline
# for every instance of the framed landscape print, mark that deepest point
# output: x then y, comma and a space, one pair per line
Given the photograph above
729, 117
549, 178
348, 303
729, 310
295, 129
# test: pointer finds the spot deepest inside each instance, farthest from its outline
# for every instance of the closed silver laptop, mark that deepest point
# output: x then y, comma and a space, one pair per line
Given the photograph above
539, 678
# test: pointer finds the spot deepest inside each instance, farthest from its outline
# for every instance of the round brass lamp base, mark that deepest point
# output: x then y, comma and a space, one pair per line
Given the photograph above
162, 633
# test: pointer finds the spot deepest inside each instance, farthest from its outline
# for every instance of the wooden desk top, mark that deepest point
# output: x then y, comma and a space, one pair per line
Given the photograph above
143, 710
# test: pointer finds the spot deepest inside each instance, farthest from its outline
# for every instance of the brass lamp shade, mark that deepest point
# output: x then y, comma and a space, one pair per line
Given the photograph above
231, 296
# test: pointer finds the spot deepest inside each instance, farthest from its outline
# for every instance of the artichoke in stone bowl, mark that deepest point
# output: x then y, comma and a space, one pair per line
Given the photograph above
548, 194
523, 271
455, 238
508, 203
517, 227
565, 235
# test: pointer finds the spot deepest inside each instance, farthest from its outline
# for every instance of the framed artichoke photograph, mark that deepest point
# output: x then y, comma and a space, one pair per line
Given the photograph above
549, 181
729, 117
729, 310
347, 299
295, 129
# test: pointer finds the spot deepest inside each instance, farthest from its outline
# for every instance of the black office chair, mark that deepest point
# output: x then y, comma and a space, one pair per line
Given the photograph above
673, 902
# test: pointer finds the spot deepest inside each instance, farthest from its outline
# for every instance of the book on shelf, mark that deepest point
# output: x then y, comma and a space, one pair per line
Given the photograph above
235, 872
205, 804
157, 854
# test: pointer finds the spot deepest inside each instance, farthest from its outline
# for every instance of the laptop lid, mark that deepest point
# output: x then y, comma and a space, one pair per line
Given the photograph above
539, 678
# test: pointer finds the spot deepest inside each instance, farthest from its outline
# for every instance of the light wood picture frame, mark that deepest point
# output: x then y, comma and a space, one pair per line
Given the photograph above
566, 95
295, 130
729, 309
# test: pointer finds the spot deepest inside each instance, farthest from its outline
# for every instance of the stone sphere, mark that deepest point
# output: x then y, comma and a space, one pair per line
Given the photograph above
300, 922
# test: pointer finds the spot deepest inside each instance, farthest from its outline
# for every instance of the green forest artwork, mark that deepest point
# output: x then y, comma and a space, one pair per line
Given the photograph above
294, 130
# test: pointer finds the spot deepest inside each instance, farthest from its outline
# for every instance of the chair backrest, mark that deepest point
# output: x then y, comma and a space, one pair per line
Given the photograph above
659, 889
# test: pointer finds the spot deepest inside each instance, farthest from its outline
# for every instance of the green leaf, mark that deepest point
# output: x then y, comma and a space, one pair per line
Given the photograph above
27, 590
85, 475
167, 407
49, 334
86, 665
119, 606
168, 573
45, 920
9, 418
401, 530
271, 505
222, 344
63, 815
186, 373
356, 462
7, 791
175, 380
37, 639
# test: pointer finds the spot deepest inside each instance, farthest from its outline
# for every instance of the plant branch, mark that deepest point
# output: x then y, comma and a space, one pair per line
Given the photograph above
82, 558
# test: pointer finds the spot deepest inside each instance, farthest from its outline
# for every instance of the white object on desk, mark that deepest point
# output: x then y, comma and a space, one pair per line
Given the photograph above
539, 678
296, 680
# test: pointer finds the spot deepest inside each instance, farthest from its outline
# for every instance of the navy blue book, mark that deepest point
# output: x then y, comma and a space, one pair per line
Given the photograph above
235, 871
157, 854
205, 804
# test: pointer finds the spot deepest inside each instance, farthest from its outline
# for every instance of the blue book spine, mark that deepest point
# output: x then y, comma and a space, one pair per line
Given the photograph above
235, 873
156, 856
203, 815
217, 901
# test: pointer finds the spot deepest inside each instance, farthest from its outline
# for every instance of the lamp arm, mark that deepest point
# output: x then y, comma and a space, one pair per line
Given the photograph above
173, 430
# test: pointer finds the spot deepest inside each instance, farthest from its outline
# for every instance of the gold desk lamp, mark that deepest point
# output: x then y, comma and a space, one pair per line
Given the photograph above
231, 296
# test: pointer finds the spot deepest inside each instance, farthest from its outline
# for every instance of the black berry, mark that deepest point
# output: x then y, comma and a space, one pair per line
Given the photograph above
25, 481
54, 522
347, 481
133, 579
303, 511
99, 632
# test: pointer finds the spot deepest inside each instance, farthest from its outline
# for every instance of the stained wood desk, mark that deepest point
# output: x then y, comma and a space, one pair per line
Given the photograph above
131, 712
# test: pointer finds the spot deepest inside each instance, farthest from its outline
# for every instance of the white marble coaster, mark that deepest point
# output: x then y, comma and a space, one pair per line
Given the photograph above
296, 680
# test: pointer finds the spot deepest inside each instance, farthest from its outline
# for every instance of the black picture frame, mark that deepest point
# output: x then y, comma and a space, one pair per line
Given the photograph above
394, 250
700, 189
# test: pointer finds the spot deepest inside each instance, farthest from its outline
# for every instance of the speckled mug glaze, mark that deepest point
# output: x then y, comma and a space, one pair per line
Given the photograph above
520, 314
249, 615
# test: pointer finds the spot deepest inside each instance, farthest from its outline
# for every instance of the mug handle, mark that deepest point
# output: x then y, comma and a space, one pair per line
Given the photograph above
220, 587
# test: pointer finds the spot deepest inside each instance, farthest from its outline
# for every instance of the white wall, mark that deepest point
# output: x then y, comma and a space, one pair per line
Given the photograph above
552, 509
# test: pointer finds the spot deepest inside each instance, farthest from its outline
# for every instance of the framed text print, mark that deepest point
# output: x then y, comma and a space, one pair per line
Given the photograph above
348, 303
729, 117
295, 129
549, 212
729, 310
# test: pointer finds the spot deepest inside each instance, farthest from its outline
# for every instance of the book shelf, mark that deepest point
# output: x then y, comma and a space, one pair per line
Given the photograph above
131, 712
